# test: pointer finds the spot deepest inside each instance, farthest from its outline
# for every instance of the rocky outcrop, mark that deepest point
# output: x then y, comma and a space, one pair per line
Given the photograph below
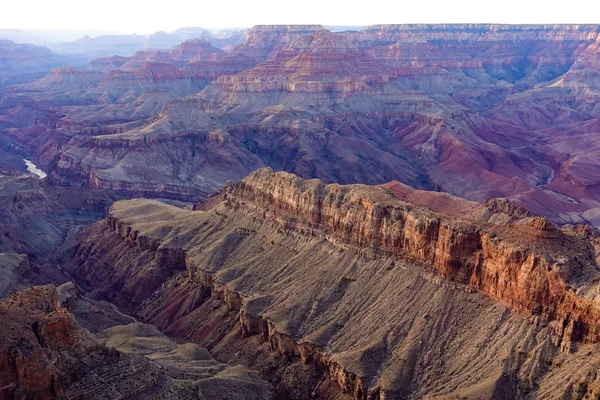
504, 206
45, 354
531, 264
348, 279
319, 62
197, 50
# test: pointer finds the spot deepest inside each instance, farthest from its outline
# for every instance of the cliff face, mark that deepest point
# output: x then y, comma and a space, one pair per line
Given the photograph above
45, 354
530, 264
354, 282
37, 217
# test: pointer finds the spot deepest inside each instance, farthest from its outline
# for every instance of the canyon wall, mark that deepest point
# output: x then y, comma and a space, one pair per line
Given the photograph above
478, 111
530, 264
353, 281
45, 354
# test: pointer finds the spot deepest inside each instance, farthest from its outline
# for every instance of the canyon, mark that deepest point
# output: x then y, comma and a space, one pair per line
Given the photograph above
25, 62
351, 285
479, 111
295, 212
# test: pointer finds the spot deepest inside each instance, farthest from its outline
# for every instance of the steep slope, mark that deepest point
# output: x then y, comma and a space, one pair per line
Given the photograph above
355, 288
46, 355
36, 218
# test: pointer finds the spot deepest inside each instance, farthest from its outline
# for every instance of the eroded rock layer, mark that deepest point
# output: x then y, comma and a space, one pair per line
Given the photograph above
478, 111
382, 298
45, 354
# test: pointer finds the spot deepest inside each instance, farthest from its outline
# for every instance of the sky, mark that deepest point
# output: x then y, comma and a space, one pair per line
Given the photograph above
143, 17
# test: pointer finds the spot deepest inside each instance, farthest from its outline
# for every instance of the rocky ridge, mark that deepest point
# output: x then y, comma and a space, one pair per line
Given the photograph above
548, 263
169, 267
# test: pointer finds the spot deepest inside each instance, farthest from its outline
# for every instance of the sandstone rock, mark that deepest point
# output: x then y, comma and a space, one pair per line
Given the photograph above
45, 354
352, 281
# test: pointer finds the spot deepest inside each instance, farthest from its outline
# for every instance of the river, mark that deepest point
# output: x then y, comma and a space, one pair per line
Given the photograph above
32, 168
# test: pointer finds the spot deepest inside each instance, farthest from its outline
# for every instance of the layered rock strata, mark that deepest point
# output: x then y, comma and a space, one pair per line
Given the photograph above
355, 282
478, 111
45, 354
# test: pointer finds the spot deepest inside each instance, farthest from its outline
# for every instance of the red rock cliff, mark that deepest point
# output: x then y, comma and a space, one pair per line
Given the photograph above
45, 354
350, 279
530, 264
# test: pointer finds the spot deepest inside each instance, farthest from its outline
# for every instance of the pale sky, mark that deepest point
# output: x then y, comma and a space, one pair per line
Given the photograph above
129, 16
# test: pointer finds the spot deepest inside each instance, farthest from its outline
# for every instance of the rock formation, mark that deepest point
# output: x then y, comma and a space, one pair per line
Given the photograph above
26, 62
36, 218
478, 111
44, 354
364, 292
448, 248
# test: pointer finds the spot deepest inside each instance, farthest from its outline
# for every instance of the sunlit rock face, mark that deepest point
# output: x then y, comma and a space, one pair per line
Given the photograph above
350, 289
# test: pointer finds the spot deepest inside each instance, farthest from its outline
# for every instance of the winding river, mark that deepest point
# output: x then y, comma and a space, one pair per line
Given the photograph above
32, 168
